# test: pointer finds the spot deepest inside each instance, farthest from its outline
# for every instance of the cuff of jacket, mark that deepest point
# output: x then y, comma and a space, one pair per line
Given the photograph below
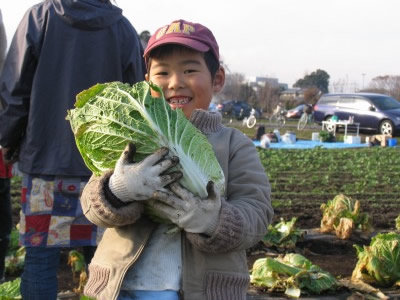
101, 201
227, 235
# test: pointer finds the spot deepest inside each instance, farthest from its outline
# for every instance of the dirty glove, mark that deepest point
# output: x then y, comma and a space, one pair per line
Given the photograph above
138, 181
188, 211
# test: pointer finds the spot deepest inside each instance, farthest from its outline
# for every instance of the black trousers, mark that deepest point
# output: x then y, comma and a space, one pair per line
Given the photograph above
5, 220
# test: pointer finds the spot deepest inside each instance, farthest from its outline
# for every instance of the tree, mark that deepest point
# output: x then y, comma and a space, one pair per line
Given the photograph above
387, 84
318, 79
144, 37
311, 95
268, 97
232, 87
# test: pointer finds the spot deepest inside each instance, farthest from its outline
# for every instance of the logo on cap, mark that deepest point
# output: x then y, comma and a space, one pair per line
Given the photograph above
175, 28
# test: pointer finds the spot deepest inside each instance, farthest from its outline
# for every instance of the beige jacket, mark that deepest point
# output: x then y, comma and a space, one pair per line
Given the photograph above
213, 267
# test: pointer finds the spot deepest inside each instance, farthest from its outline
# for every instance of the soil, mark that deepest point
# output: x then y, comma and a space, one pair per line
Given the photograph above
335, 256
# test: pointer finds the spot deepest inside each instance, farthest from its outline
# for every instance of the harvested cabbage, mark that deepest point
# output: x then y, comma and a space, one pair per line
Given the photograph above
379, 263
108, 116
293, 273
343, 215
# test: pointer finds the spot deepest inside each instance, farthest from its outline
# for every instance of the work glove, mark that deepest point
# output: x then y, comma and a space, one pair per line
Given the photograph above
138, 181
188, 211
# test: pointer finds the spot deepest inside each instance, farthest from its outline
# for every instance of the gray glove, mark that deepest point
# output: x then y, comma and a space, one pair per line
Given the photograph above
188, 211
138, 181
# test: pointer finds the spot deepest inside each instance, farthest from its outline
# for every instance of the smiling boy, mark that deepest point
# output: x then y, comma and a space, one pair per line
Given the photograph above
207, 259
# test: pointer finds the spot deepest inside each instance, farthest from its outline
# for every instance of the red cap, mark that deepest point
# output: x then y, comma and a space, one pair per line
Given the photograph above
192, 35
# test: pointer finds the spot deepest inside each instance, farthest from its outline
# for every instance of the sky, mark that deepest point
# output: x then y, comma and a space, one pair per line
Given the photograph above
352, 40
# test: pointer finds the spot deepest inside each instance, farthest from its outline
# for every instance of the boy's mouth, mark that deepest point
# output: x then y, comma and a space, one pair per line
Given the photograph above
178, 100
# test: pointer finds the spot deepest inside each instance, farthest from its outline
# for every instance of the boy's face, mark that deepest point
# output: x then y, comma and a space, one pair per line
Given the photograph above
185, 80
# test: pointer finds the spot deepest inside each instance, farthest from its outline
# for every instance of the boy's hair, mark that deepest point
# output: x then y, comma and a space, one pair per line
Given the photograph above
165, 50
188, 35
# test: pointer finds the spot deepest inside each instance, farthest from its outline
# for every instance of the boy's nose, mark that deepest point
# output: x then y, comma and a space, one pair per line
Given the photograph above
176, 82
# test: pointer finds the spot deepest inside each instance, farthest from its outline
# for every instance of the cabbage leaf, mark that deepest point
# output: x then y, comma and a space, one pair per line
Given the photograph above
110, 115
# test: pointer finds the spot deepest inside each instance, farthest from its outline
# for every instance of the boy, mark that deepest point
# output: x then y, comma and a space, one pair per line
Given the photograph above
207, 259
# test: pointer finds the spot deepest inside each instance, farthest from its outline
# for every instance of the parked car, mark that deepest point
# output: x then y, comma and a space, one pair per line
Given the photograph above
235, 109
376, 112
212, 107
296, 112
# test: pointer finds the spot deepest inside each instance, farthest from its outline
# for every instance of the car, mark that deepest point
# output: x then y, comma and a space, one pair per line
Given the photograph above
234, 108
212, 107
377, 112
296, 112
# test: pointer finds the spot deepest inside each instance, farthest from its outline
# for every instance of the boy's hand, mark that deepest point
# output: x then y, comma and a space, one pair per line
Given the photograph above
138, 181
189, 212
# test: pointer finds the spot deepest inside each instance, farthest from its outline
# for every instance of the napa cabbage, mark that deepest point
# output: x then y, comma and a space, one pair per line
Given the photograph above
292, 274
379, 263
108, 116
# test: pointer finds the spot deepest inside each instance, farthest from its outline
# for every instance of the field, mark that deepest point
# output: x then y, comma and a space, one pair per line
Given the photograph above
301, 180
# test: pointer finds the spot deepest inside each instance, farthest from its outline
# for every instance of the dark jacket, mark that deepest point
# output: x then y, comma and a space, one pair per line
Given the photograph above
60, 48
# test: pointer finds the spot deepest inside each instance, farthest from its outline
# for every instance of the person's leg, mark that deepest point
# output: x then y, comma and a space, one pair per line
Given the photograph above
5, 222
39, 278
88, 252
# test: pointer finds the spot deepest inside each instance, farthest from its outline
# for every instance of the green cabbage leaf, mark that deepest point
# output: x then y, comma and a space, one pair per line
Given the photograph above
379, 263
108, 116
292, 274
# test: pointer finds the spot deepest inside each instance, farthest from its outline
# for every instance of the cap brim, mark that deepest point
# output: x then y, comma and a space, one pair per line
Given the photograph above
193, 44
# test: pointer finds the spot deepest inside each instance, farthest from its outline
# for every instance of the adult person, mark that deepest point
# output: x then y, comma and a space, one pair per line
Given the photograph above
5, 175
60, 48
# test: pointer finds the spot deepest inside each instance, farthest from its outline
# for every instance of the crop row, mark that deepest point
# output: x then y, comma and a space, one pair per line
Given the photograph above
301, 180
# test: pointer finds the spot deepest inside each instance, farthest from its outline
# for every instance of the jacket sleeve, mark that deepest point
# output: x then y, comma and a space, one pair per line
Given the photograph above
246, 211
97, 207
17, 76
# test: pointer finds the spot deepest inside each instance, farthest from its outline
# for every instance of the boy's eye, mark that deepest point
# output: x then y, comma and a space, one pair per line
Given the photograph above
190, 71
162, 73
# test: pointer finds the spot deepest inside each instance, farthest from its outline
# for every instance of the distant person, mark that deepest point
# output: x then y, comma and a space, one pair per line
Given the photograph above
278, 109
60, 48
260, 132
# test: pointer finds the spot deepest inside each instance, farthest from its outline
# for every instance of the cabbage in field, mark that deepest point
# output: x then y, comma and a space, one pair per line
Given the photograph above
293, 274
342, 215
108, 116
283, 234
379, 263
10, 290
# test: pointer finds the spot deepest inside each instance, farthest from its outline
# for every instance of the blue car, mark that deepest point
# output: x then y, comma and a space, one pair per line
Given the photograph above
376, 112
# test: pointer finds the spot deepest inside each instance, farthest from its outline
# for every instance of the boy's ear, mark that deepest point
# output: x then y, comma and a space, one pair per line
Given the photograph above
219, 80
146, 76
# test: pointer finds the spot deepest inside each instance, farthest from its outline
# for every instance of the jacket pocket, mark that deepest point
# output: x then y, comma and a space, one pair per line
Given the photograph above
226, 286
98, 280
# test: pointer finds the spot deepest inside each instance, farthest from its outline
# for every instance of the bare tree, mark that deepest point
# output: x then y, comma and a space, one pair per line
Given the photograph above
311, 95
268, 97
387, 84
232, 88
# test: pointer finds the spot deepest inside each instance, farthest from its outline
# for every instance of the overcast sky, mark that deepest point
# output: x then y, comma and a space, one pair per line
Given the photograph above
352, 40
